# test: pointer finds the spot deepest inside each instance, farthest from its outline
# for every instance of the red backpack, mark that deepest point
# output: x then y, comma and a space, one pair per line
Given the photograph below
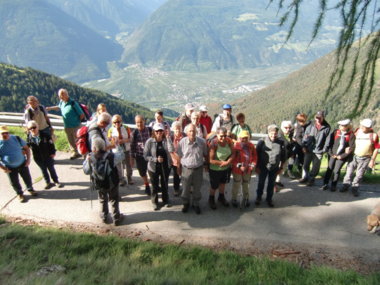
82, 141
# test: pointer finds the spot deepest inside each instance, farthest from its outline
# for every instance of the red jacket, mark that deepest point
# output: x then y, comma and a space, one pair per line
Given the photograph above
207, 122
240, 158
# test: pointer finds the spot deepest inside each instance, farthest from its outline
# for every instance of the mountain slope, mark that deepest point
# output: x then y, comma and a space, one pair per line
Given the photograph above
18, 83
38, 34
210, 35
304, 91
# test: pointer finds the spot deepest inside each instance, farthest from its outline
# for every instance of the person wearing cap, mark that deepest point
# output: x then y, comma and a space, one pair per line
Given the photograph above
157, 152
314, 144
242, 167
366, 149
15, 161
299, 130
221, 155
159, 118
72, 115
140, 135
185, 118
43, 150
193, 155
271, 156
340, 150
224, 119
36, 112
201, 129
205, 119
239, 127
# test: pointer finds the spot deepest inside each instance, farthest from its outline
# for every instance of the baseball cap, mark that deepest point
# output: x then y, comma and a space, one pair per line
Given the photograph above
227, 106
203, 108
366, 123
158, 126
344, 122
189, 106
4, 129
243, 134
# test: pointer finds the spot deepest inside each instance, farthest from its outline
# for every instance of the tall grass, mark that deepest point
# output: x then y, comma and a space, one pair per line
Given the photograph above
91, 259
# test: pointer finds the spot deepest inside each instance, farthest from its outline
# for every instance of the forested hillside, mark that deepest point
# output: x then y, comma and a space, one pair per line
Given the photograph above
305, 90
16, 84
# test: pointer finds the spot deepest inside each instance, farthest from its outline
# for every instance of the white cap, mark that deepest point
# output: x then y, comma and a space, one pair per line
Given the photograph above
158, 126
366, 123
344, 122
203, 108
189, 106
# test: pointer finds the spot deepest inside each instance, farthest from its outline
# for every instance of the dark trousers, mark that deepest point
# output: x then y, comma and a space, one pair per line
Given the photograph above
47, 166
176, 178
112, 196
333, 169
271, 174
160, 177
25, 175
299, 157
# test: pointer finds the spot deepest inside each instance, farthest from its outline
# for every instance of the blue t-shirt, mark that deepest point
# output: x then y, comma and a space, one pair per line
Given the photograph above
11, 152
71, 112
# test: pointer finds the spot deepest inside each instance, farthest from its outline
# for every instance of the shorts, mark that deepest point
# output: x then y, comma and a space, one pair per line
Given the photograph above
218, 177
141, 165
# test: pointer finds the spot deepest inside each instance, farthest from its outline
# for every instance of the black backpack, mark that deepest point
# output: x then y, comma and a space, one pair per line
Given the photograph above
104, 173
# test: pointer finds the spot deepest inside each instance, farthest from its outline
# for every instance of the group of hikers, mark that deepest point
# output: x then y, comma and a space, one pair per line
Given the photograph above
192, 144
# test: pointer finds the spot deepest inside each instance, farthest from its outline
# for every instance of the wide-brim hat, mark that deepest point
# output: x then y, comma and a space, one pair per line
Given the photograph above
4, 129
366, 123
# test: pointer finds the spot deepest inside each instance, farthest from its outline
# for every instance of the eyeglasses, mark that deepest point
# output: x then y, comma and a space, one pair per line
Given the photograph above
32, 128
117, 122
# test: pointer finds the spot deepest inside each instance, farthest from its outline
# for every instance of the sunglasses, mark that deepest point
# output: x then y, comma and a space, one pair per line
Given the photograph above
117, 122
32, 128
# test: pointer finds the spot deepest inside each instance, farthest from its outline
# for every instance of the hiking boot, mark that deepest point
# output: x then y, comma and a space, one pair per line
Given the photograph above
223, 201
355, 191
270, 204
32, 192
104, 217
333, 188
21, 198
155, 206
59, 184
258, 201
246, 203
310, 182
122, 182
211, 202
197, 210
185, 208
325, 187
147, 190
344, 188
75, 156
234, 203
167, 204
117, 221
49, 186
302, 181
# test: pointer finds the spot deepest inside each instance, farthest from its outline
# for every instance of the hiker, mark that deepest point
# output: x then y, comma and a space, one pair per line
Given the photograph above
340, 150
157, 152
101, 166
315, 143
242, 166
185, 118
36, 112
205, 119
43, 150
14, 161
99, 130
121, 135
201, 129
176, 136
224, 119
286, 134
193, 154
139, 137
101, 108
239, 127
221, 156
271, 156
299, 130
159, 118
366, 149
72, 115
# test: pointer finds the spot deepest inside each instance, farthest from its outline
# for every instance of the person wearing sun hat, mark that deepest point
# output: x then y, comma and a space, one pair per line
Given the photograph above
242, 167
340, 150
366, 149
14, 161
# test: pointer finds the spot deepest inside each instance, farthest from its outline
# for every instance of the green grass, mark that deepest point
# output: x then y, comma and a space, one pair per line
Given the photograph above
92, 259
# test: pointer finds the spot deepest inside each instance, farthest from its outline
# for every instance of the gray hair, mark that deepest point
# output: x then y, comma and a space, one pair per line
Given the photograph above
176, 125
221, 129
63, 90
31, 124
104, 117
272, 128
98, 144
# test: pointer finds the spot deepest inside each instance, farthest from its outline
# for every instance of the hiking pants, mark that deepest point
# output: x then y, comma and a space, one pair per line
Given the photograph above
271, 174
112, 196
241, 181
157, 178
333, 169
176, 178
71, 134
358, 163
25, 175
315, 159
192, 179
47, 166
